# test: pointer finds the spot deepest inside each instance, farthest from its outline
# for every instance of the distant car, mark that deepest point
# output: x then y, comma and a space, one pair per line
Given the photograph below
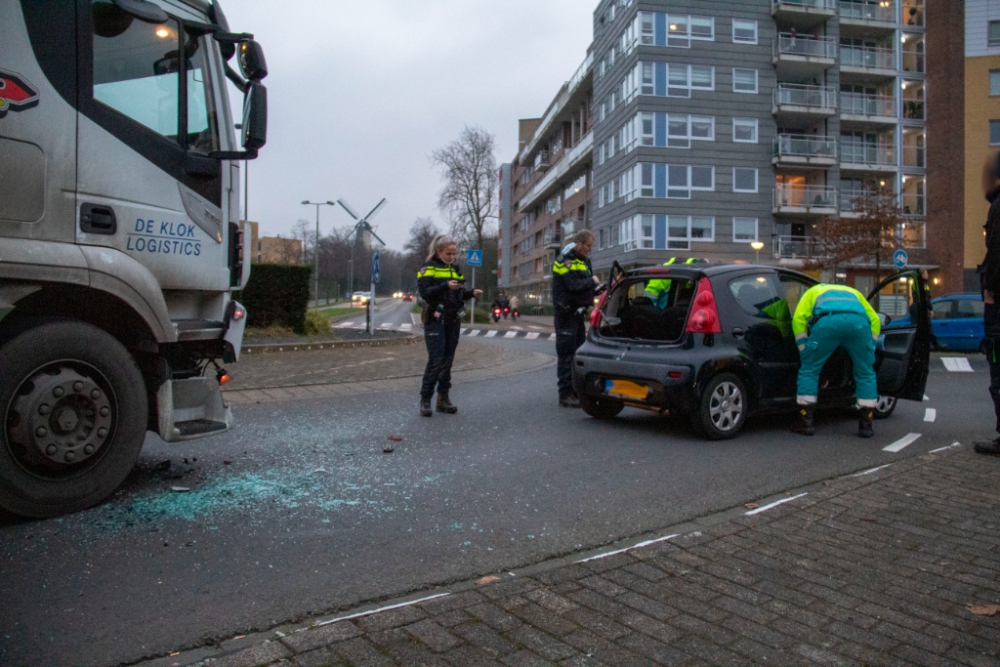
408, 296
721, 347
397, 295
957, 321
360, 297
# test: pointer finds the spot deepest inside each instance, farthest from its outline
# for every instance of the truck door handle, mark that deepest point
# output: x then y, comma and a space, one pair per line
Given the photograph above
96, 219
738, 333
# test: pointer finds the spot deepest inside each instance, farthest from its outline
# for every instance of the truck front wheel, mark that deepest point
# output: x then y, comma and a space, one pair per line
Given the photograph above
74, 410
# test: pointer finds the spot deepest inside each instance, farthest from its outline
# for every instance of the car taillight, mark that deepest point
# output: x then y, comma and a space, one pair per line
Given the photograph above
704, 317
595, 317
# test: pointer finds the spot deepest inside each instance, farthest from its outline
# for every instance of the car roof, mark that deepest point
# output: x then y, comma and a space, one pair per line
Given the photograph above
713, 270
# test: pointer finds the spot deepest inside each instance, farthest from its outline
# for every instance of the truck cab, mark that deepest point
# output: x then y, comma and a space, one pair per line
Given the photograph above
120, 237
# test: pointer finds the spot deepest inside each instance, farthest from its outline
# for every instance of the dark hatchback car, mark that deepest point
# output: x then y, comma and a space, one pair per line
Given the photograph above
716, 343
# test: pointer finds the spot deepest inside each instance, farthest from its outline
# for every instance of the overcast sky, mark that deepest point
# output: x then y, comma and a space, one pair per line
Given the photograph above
361, 93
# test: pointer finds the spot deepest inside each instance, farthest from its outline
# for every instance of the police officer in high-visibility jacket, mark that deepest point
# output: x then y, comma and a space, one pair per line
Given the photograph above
573, 288
829, 317
659, 290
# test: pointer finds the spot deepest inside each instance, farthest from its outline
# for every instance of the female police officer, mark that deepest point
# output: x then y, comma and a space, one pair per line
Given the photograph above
442, 288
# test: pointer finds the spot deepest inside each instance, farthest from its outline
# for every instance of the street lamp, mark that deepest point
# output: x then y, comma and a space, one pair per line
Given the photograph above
758, 246
316, 246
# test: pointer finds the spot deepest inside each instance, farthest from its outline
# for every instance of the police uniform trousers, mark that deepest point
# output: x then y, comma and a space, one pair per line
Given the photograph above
853, 333
441, 337
571, 333
992, 345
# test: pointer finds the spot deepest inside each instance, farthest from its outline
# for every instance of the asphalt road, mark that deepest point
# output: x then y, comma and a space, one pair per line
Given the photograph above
389, 313
298, 512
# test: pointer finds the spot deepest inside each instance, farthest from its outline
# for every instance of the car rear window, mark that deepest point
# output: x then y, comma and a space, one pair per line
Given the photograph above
649, 309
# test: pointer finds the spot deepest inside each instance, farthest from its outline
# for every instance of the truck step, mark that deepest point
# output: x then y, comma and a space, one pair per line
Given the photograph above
199, 427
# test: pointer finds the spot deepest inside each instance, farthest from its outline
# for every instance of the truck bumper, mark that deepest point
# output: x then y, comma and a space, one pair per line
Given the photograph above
192, 409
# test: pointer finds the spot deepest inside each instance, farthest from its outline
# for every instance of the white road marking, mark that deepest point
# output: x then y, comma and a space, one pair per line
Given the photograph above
350, 324
475, 332
607, 554
532, 326
930, 415
406, 327
957, 364
465, 332
491, 334
902, 444
533, 335
376, 611
517, 328
775, 504
926, 397
872, 470
942, 449
510, 334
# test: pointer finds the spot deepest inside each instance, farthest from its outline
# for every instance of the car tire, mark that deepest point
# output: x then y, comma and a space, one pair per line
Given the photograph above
885, 407
723, 409
601, 408
74, 411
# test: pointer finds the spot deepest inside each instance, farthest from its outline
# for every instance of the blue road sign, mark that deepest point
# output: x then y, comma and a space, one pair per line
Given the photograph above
475, 258
376, 269
900, 259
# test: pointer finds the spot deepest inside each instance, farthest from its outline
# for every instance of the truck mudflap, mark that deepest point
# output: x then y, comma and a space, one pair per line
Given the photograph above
192, 409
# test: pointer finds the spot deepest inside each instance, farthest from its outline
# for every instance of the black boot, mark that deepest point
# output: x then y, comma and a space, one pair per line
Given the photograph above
806, 424
444, 405
425, 407
570, 401
988, 448
865, 427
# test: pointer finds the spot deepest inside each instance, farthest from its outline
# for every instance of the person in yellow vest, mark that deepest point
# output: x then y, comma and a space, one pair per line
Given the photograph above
830, 317
659, 290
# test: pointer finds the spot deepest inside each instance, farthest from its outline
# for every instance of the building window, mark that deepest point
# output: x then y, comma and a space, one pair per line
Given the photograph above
744, 180
995, 133
671, 181
744, 80
995, 82
681, 230
744, 229
994, 34
668, 79
745, 130
744, 32
602, 239
669, 130
659, 29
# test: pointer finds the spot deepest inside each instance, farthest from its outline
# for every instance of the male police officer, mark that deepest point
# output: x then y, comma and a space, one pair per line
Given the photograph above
989, 276
573, 289
659, 290
828, 317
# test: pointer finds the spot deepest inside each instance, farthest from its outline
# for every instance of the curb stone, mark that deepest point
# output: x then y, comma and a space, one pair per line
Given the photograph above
332, 345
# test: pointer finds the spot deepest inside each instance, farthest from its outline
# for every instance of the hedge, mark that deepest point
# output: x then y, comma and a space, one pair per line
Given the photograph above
277, 294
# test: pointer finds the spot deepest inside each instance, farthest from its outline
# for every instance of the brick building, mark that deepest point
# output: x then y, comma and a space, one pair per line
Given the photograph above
272, 249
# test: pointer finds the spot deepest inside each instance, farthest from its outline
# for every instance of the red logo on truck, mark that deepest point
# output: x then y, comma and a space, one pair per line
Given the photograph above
16, 94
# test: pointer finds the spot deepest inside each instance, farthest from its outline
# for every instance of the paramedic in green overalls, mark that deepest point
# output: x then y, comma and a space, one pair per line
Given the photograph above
828, 317
658, 290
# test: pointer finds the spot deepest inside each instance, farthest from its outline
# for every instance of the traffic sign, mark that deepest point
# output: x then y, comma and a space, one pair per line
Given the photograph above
475, 258
900, 259
376, 268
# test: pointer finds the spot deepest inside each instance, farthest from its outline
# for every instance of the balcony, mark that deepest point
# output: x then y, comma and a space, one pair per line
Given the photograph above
574, 157
797, 248
804, 200
868, 60
542, 161
792, 98
861, 108
855, 157
805, 14
868, 14
798, 150
803, 55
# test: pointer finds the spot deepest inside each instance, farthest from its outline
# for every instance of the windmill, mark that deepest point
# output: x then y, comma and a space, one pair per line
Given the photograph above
360, 228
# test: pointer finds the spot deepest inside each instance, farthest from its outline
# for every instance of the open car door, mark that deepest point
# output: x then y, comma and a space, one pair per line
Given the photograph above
904, 301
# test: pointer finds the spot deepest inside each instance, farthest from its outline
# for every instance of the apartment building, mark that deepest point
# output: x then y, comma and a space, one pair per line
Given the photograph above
550, 181
271, 249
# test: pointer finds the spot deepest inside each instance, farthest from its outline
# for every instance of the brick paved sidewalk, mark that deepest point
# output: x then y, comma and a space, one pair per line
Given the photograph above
874, 569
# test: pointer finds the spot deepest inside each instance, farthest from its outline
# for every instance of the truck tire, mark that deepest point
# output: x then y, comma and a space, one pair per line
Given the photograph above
74, 410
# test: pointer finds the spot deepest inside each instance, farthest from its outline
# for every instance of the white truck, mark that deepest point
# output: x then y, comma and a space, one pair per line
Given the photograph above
120, 243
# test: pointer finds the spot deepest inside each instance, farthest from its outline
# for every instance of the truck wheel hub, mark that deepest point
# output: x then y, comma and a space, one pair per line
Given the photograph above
60, 416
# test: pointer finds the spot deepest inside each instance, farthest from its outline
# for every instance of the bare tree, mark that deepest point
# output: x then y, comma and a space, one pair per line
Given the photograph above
870, 233
286, 251
469, 197
303, 231
422, 232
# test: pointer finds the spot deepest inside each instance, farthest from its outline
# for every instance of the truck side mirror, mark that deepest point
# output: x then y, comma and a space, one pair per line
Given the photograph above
255, 117
252, 62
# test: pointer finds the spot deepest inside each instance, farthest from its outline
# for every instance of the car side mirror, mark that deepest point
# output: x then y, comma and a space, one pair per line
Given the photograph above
252, 62
255, 117
884, 319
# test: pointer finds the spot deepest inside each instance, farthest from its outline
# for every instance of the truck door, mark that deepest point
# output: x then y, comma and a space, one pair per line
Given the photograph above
905, 357
151, 111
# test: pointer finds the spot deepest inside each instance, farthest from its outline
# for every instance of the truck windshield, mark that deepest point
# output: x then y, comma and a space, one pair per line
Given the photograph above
136, 73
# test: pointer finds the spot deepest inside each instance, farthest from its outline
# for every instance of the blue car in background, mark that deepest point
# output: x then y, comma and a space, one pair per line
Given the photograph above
957, 320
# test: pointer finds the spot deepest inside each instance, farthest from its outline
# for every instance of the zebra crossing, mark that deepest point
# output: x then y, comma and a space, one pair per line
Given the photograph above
515, 332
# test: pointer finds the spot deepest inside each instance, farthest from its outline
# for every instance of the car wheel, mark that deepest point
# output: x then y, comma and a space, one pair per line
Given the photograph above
885, 407
723, 409
74, 411
601, 408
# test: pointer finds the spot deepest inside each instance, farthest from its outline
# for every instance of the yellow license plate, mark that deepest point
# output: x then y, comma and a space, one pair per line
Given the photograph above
626, 389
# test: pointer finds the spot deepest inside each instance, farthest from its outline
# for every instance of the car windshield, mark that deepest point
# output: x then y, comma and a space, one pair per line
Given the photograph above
653, 308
